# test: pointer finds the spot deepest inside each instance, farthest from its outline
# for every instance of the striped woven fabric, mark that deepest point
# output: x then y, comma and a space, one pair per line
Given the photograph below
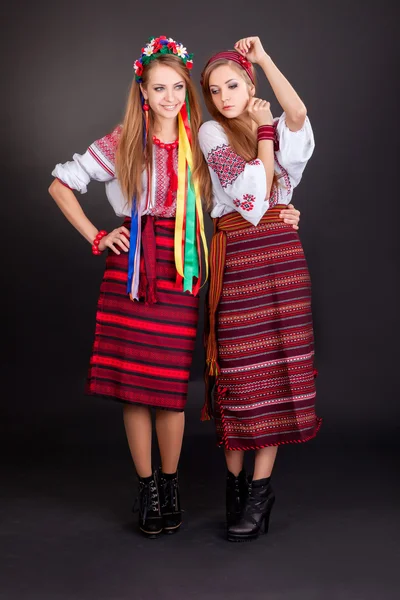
142, 353
265, 393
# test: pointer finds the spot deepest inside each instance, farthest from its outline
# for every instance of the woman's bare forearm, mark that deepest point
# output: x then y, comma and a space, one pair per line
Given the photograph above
285, 94
70, 207
266, 155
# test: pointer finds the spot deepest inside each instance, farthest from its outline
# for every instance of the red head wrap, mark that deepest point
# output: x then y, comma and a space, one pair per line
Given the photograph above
235, 57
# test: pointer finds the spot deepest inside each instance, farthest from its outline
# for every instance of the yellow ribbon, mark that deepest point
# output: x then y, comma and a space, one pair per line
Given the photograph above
185, 159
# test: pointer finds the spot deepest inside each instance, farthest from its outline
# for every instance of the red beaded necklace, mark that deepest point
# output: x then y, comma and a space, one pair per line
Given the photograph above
171, 146
173, 179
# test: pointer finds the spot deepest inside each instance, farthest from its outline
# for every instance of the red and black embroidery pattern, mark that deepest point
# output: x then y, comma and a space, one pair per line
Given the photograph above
285, 177
274, 197
226, 164
247, 203
104, 149
163, 182
108, 144
277, 189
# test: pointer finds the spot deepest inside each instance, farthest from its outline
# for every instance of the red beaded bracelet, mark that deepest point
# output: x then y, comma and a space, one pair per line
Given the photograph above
96, 242
266, 132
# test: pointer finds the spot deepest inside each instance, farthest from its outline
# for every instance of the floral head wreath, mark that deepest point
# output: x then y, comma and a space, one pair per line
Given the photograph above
157, 47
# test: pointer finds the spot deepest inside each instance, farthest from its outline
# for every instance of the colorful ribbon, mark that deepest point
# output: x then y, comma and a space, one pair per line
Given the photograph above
135, 233
133, 242
189, 223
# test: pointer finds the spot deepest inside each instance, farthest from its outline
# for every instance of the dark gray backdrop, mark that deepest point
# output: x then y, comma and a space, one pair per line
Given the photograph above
67, 481
68, 68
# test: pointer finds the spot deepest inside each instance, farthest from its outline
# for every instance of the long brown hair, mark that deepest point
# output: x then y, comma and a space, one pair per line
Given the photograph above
240, 134
132, 158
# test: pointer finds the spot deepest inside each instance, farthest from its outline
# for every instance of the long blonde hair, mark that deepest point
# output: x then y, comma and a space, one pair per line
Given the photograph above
132, 158
240, 134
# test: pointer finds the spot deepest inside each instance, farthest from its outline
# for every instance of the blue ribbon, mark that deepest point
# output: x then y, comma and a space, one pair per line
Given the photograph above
132, 245
134, 221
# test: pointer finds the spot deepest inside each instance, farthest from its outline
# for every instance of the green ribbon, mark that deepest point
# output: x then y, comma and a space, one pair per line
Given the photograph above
191, 260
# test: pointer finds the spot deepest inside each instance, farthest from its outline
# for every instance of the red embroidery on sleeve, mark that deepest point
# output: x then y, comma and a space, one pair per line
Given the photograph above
226, 164
285, 176
105, 149
274, 197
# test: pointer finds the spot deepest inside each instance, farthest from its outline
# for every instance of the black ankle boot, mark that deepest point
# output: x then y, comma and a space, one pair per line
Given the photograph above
256, 513
170, 502
150, 519
236, 493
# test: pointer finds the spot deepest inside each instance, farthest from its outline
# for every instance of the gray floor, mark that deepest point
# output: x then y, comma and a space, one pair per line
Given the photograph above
67, 531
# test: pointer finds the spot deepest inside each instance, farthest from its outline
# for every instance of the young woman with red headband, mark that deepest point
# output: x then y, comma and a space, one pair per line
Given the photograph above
260, 337
147, 314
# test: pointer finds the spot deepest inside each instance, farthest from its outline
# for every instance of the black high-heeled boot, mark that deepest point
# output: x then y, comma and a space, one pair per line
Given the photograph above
150, 519
237, 489
170, 502
256, 513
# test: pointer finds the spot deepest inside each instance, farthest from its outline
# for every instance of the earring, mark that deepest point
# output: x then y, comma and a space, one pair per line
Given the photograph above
146, 107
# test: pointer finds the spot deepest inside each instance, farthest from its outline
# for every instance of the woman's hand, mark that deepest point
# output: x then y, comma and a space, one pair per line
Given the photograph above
251, 48
259, 110
291, 216
117, 237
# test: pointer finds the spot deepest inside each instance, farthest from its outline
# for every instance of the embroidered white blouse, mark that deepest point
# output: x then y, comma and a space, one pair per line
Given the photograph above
98, 164
242, 186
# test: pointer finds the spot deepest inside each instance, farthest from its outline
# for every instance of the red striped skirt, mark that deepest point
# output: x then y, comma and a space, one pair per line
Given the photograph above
265, 394
142, 353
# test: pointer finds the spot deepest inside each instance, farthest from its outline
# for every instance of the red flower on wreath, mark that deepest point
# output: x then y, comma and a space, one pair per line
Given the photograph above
138, 68
161, 45
157, 45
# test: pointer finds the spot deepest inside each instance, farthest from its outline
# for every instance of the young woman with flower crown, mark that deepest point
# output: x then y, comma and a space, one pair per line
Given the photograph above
147, 313
260, 338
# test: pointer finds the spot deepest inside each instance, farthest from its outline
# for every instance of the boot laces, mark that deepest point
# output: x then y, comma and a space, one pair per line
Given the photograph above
170, 496
148, 499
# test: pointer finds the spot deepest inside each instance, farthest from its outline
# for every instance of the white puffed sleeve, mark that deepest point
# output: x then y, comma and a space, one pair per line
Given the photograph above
295, 148
97, 163
237, 184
